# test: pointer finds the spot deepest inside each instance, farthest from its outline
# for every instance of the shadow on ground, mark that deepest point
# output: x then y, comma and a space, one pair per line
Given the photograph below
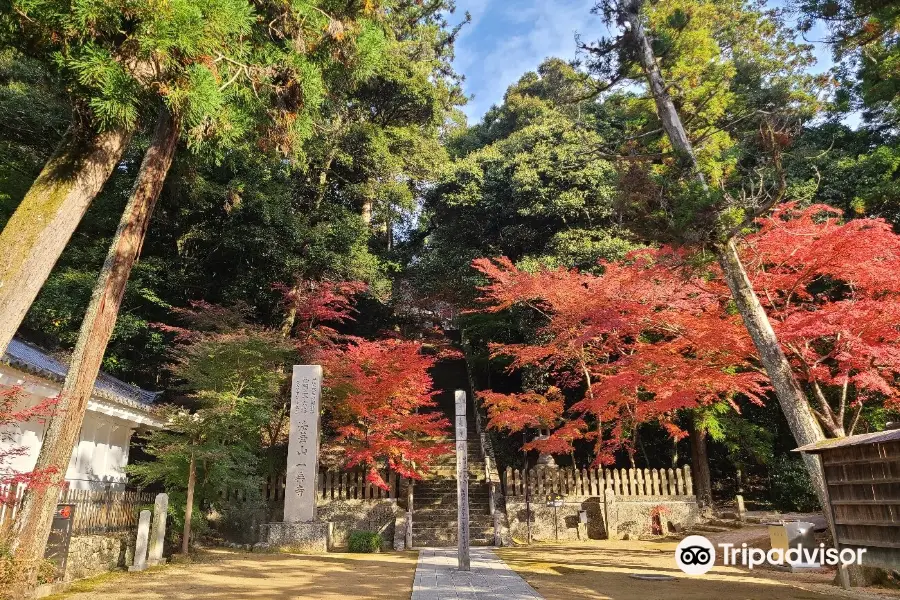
244, 576
603, 571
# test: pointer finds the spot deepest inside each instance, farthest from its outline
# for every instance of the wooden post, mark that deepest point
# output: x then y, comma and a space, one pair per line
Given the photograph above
462, 481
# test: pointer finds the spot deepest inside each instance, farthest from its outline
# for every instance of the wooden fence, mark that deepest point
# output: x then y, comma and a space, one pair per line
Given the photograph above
96, 511
592, 482
340, 485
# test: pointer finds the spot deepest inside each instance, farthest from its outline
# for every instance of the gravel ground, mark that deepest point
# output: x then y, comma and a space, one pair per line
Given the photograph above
223, 574
601, 570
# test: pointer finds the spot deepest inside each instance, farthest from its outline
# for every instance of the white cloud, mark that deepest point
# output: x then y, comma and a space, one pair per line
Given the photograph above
509, 38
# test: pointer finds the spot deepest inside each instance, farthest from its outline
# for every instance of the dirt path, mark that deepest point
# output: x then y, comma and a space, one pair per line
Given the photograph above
222, 574
601, 570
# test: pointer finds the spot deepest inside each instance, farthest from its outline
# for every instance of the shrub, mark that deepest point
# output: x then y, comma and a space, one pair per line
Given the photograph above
791, 488
364, 541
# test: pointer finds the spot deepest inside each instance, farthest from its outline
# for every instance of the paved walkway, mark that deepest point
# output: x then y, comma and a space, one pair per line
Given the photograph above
490, 577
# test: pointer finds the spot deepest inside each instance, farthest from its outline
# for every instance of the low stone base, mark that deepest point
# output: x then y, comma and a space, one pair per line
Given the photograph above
313, 537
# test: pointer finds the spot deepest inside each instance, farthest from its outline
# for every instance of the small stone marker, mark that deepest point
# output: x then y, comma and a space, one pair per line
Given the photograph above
158, 530
462, 481
303, 445
140, 546
741, 509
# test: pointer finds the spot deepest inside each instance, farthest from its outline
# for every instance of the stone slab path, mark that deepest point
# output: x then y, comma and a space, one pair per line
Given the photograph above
489, 579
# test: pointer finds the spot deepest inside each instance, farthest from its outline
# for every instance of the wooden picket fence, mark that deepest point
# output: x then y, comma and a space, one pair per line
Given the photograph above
96, 511
340, 485
543, 481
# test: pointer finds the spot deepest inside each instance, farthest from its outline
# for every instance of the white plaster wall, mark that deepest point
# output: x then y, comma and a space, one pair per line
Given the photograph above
99, 456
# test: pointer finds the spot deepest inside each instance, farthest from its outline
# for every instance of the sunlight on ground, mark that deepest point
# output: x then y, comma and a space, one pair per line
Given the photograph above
602, 570
244, 576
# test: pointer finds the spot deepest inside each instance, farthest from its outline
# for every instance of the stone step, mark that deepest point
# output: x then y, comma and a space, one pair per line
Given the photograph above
450, 524
727, 523
441, 509
710, 529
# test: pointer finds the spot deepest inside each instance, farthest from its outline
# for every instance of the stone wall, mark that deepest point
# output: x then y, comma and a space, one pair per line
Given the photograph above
632, 515
359, 515
543, 528
635, 515
91, 555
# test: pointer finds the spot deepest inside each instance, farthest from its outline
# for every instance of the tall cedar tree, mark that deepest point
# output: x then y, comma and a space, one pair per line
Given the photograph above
378, 397
716, 216
114, 57
33, 522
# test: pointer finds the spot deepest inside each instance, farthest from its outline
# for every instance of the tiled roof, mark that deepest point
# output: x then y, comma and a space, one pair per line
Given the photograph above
32, 359
878, 437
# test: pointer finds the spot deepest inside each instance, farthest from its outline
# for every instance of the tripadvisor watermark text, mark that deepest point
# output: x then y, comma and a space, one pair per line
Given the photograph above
695, 555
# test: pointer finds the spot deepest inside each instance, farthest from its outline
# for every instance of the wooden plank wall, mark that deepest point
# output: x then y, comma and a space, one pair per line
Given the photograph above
340, 485
864, 490
592, 482
96, 511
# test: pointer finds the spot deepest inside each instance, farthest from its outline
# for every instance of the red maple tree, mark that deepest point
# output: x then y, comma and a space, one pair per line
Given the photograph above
314, 306
641, 342
832, 291
652, 336
12, 414
378, 398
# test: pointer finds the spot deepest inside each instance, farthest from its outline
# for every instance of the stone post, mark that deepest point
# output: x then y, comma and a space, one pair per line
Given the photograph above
140, 546
741, 509
462, 481
158, 530
612, 514
409, 513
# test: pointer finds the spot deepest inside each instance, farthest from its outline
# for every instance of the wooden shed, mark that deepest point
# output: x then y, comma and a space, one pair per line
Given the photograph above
863, 477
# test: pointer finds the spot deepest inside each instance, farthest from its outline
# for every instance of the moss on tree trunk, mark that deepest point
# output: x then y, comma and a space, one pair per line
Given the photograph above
39, 230
34, 520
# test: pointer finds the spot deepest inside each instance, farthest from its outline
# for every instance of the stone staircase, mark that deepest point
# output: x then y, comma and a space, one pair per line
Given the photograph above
434, 502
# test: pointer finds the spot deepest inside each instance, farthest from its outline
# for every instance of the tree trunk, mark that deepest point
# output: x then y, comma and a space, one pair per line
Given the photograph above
367, 208
36, 515
794, 403
39, 230
189, 506
700, 465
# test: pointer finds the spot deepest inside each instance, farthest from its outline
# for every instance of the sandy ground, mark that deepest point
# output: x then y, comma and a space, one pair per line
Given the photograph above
601, 570
223, 574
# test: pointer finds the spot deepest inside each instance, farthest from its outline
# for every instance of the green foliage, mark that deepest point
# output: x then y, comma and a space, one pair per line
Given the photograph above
235, 380
863, 36
737, 76
524, 185
856, 170
364, 542
747, 442
33, 117
790, 487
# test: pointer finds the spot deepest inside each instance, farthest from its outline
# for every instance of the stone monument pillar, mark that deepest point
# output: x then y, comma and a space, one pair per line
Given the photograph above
158, 530
300, 531
462, 480
303, 445
140, 546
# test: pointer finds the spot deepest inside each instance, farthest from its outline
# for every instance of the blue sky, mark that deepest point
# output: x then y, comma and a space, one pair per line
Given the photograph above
508, 38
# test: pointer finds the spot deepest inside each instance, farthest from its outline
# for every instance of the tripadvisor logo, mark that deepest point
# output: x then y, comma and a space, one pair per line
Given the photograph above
696, 555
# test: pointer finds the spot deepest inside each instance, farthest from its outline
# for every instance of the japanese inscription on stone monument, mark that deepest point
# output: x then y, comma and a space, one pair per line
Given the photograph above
303, 445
